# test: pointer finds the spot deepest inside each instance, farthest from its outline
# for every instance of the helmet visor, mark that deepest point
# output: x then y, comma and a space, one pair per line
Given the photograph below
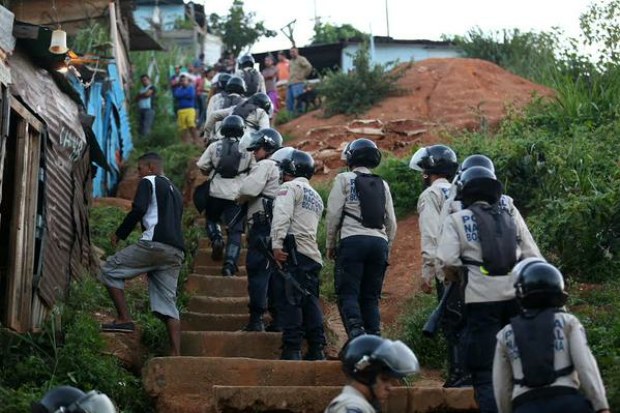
417, 158
248, 141
398, 358
282, 154
93, 402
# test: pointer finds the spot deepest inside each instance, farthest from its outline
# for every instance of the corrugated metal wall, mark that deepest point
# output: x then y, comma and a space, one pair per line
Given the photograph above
66, 249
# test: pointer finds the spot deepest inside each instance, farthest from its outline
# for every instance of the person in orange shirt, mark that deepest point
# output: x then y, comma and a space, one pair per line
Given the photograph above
283, 70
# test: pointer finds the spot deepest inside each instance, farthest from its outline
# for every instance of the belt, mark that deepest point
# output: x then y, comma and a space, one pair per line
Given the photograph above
542, 393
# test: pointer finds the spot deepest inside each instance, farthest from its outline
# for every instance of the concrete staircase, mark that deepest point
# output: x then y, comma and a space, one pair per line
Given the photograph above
223, 369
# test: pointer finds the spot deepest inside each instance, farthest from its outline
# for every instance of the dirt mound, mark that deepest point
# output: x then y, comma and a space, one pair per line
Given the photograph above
439, 96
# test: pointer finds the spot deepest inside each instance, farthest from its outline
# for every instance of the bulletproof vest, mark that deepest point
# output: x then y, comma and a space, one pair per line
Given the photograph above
535, 339
244, 109
230, 100
230, 158
371, 195
252, 81
497, 233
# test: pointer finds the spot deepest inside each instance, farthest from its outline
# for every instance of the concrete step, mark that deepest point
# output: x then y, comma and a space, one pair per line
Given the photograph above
195, 375
216, 270
203, 258
213, 322
218, 305
217, 286
294, 399
231, 344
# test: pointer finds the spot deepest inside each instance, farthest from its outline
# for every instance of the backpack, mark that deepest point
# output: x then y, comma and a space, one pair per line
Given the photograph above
370, 191
230, 158
244, 109
497, 233
252, 81
230, 100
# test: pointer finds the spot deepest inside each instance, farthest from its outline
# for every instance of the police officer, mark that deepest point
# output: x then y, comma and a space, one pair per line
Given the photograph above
258, 189
216, 162
489, 296
254, 111
542, 357
360, 215
297, 211
373, 365
68, 399
438, 166
219, 81
232, 95
254, 80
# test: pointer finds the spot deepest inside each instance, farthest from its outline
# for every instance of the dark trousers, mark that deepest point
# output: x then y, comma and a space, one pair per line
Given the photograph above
225, 210
360, 268
569, 403
303, 318
484, 321
259, 271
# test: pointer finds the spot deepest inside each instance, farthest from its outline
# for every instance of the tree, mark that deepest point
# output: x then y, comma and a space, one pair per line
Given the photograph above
238, 29
328, 33
600, 26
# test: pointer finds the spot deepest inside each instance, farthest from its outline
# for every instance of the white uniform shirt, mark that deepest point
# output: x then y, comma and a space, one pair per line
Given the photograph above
571, 348
430, 205
297, 210
343, 199
350, 401
263, 180
224, 188
459, 239
256, 120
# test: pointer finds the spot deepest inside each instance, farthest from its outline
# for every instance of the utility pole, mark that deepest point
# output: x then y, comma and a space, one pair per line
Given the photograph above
387, 18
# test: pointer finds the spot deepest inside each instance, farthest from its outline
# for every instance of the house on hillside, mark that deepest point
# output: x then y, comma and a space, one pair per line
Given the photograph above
339, 56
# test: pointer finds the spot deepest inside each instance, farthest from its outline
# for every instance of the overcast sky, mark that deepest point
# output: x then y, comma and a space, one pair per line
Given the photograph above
408, 19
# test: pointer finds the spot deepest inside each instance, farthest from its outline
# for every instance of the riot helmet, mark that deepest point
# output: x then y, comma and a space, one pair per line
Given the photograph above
235, 84
232, 126
343, 155
367, 356
246, 61
363, 152
478, 184
539, 284
222, 80
477, 160
261, 100
268, 139
435, 160
282, 154
298, 164
67, 399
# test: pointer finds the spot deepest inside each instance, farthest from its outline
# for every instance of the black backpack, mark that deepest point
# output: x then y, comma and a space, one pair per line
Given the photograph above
230, 158
497, 233
370, 191
230, 100
252, 81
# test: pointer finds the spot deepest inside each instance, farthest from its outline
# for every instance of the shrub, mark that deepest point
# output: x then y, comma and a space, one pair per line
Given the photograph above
406, 185
355, 92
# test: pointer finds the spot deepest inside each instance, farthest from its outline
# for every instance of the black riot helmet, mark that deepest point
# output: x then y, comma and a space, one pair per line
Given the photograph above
268, 139
298, 164
261, 100
222, 80
477, 160
232, 126
363, 152
435, 160
478, 184
235, 84
246, 61
539, 284
367, 356
67, 399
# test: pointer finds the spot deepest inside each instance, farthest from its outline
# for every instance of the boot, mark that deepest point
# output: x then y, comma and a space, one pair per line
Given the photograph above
315, 353
229, 270
289, 354
255, 323
356, 331
232, 256
217, 243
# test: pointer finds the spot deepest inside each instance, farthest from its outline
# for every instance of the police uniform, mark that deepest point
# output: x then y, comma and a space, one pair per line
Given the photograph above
297, 210
259, 189
350, 401
256, 120
570, 348
362, 254
222, 205
430, 204
489, 299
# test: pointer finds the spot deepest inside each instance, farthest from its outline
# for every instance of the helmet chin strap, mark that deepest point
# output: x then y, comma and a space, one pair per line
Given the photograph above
427, 180
374, 401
